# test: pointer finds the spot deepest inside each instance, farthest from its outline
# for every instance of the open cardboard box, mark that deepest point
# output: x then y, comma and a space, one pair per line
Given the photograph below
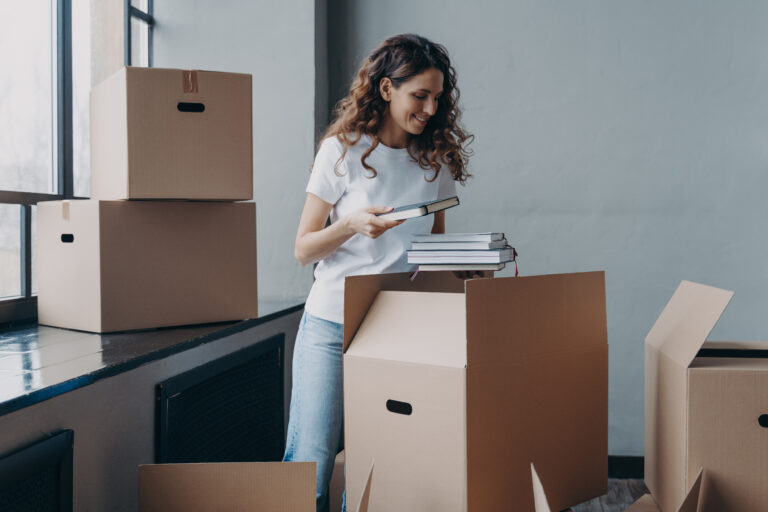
454, 386
215, 487
172, 134
693, 501
704, 407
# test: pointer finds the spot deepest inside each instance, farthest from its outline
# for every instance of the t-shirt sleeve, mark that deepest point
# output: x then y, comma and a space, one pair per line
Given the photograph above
323, 181
446, 187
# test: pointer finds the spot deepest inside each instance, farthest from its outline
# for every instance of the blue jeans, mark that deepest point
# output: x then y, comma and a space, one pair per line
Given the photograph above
315, 425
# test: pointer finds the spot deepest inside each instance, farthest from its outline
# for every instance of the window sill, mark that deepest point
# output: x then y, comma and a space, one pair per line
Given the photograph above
38, 362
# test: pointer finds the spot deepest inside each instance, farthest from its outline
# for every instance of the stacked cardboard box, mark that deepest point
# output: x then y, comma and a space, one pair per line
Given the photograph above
706, 411
455, 387
119, 262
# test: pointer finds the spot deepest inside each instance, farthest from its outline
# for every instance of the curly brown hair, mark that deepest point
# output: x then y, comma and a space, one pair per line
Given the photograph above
362, 111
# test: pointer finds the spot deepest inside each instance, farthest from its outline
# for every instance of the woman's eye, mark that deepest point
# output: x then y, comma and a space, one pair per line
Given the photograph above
419, 97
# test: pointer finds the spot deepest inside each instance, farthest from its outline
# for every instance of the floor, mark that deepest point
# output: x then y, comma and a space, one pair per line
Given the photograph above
621, 494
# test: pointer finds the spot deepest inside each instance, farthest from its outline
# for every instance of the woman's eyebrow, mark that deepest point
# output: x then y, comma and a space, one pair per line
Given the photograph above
428, 91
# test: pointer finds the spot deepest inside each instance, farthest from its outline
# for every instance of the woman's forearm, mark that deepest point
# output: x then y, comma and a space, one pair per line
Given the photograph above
316, 245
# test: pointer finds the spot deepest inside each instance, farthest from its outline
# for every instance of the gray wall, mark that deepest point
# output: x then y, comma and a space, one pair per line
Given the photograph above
624, 136
275, 42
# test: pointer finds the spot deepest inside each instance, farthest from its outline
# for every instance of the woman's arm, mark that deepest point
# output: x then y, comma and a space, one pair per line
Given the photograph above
314, 241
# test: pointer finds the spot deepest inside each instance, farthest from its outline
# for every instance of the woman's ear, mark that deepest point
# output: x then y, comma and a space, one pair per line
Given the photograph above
385, 88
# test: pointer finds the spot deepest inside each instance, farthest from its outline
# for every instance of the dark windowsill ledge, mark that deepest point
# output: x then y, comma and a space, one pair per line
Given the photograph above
38, 363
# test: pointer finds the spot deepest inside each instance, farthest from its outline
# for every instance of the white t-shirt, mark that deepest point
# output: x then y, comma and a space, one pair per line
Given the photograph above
399, 181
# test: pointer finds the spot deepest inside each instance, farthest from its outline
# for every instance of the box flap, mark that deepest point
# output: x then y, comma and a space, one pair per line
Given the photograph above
514, 318
414, 327
362, 506
644, 504
693, 501
273, 486
359, 292
540, 502
687, 320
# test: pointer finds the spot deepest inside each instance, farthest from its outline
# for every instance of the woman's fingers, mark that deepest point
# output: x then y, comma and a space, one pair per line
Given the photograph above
379, 209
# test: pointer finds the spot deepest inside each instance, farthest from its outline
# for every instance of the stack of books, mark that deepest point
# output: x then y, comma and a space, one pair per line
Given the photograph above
461, 251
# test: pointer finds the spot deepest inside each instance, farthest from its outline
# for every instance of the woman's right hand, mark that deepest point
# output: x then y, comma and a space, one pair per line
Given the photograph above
367, 223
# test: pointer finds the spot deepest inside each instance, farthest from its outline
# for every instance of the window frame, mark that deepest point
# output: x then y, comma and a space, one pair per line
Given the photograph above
148, 18
24, 307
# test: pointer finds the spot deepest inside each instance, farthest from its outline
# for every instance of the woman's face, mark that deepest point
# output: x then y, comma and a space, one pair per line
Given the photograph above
412, 104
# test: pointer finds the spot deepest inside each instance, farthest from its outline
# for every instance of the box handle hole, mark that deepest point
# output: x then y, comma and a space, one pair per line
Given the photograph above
190, 107
763, 420
399, 407
67, 239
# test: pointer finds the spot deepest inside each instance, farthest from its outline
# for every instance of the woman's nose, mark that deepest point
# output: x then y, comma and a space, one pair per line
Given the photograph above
430, 108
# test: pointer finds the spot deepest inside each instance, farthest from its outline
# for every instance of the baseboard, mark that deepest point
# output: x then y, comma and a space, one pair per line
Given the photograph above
625, 467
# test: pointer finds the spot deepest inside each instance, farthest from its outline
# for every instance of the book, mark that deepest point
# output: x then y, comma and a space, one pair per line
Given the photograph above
493, 256
419, 209
503, 254
458, 266
434, 246
457, 237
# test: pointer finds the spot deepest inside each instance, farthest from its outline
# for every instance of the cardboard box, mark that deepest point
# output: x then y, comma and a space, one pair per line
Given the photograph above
117, 265
214, 487
172, 134
704, 412
693, 501
454, 386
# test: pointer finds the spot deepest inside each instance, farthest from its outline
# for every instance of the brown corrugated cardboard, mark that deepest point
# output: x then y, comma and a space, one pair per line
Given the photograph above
138, 264
172, 134
704, 411
693, 501
215, 487
365, 497
454, 386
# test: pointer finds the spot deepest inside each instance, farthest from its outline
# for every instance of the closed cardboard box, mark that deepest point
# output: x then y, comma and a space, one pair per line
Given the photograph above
172, 134
454, 387
704, 408
118, 265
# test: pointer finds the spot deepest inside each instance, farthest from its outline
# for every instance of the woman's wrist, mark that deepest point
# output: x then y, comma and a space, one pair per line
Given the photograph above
345, 225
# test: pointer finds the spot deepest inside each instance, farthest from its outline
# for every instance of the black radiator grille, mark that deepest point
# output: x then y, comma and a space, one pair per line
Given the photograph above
38, 478
39, 492
229, 410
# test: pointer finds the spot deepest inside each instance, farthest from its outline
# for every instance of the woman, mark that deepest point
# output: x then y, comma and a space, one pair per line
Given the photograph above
395, 140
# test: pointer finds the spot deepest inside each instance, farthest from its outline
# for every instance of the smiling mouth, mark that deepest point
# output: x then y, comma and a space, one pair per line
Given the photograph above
421, 120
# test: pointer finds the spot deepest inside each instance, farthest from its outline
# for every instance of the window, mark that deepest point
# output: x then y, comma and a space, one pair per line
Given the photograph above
139, 24
46, 52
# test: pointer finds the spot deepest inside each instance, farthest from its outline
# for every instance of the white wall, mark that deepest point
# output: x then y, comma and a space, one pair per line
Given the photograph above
625, 136
275, 42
